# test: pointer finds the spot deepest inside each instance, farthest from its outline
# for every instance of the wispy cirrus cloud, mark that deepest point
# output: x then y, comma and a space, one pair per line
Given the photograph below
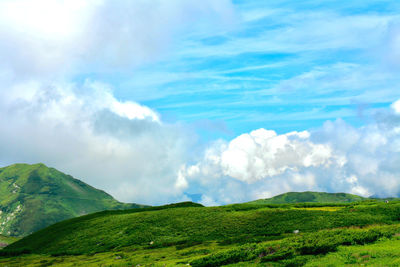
317, 57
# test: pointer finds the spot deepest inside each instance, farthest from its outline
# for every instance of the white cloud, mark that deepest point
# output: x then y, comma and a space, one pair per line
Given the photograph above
208, 201
47, 37
335, 158
297, 32
81, 128
262, 153
396, 106
131, 154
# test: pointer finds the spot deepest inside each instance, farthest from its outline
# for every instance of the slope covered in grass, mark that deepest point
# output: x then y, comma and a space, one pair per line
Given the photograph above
235, 235
189, 225
334, 247
35, 196
313, 197
187, 233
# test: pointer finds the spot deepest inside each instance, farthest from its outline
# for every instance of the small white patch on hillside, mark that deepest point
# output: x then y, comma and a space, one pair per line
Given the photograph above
16, 188
6, 219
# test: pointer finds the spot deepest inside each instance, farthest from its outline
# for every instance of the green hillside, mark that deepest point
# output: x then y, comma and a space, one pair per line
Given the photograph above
313, 197
188, 233
35, 196
6, 240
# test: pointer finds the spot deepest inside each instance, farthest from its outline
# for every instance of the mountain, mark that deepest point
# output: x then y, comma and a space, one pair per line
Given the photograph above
300, 197
35, 196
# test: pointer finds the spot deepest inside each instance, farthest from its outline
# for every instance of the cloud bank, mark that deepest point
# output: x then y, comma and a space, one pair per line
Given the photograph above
52, 111
52, 36
335, 158
118, 146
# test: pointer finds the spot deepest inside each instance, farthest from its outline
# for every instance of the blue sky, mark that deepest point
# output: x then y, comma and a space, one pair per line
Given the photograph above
280, 65
217, 101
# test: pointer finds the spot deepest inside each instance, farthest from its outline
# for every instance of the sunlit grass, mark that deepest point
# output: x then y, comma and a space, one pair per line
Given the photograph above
323, 208
6, 240
240, 235
129, 256
382, 253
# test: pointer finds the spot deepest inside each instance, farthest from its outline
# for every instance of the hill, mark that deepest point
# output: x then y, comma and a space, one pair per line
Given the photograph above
188, 233
312, 197
35, 196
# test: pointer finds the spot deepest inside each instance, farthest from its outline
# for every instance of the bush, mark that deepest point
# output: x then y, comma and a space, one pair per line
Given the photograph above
244, 253
294, 250
14, 252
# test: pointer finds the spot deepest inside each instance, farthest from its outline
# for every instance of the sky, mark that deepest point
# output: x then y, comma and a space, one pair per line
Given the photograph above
214, 101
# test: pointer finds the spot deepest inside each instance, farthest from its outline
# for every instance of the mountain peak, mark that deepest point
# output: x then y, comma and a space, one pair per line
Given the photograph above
34, 196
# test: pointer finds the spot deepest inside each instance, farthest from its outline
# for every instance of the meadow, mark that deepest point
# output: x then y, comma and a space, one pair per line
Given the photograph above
302, 234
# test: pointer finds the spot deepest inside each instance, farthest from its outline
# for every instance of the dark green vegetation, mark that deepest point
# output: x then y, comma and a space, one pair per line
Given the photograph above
35, 196
297, 250
186, 233
299, 197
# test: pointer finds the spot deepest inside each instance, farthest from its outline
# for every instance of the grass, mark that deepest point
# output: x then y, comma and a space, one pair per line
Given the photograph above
274, 253
385, 252
6, 240
129, 256
184, 225
235, 235
298, 249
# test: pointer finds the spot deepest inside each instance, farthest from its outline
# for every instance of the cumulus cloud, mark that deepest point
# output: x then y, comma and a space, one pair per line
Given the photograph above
262, 153
48, 115
118, 146
396, 106
336, 158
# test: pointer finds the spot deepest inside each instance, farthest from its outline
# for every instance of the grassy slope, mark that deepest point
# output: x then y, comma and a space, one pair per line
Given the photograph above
320, 197
241, 235
170, 226
35, 196
187, 233
385, 252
